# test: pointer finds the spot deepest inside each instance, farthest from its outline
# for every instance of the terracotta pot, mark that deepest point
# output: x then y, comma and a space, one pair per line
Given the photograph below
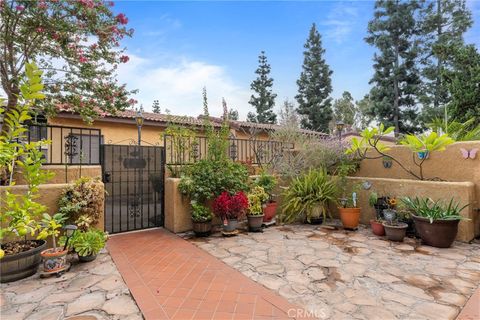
255, 222
231, 225
54, 260
21, 265
395, 232
269, 211
377, 228
202, 229
439, 233
350, 217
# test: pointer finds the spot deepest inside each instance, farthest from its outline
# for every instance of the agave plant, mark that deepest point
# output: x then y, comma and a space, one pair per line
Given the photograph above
308, 195
434, 210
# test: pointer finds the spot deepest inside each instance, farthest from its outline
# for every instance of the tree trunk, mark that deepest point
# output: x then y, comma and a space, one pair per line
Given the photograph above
438, 80
396, 107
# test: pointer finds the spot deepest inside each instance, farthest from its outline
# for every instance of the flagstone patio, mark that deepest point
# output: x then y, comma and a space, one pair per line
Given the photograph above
354, 275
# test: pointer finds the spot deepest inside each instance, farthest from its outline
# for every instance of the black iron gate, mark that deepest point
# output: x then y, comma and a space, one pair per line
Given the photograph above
134, 182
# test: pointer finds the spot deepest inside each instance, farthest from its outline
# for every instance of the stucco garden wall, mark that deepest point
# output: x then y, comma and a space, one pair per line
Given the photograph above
448, 165
67, 174
49, 194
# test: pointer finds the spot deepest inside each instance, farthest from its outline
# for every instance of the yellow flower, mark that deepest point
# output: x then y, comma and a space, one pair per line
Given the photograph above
392, 202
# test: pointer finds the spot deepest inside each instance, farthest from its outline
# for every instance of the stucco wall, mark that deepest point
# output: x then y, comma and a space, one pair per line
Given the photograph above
463, 192
66, 174
49, 194
448, 165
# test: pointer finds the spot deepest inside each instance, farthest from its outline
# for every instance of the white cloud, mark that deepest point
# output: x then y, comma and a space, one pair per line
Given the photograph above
340, 22
178, 85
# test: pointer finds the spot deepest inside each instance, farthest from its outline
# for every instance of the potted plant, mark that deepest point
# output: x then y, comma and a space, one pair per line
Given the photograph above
256, 200
348, 210
87, 244
268, 183
435, 222
394, 230
230, 208
201, 219
376, 224
54, 259
308, 197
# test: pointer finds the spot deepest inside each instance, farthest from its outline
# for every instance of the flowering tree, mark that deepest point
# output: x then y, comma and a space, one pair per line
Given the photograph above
77, 45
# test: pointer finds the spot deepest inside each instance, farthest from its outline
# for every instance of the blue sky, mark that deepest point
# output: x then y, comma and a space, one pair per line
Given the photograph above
179, 47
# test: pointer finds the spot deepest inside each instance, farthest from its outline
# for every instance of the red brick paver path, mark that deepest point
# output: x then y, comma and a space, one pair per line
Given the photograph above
171, 278
471, 311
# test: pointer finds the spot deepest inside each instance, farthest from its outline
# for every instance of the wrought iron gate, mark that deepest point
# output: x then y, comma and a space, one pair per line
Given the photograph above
134, 182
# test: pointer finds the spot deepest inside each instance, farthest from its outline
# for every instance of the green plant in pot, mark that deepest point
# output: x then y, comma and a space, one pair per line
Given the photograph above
268, 183
308, 197
201, 219
348, 210
20, 212
376, 224
55, 258
87, 244
257, 198
435, 221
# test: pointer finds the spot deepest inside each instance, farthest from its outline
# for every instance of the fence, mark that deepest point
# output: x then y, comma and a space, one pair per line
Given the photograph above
69, 145
181, 150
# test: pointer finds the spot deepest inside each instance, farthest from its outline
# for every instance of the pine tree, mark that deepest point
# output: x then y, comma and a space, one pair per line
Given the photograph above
263, 99
344, 109
156, 106
314, 86
443, 24
232, 114
395, 81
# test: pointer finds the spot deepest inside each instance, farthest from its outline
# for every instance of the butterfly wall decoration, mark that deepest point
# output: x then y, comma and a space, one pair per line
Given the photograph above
469, 154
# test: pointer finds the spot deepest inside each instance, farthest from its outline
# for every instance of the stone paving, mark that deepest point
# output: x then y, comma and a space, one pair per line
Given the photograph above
354, 275
89, 291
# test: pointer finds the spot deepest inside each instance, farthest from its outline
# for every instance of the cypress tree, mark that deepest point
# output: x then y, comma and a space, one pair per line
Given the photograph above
314, 86
395, 81
263, 98
156, 106
443, 24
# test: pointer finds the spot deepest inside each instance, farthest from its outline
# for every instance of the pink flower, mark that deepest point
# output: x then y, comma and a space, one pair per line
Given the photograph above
124, 59
82, 59
42, 5
122, 19
110, 3
88, 3
40, 29
19, 8
132, 101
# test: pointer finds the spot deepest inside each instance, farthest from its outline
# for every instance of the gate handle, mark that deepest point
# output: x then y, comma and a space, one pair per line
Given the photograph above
106, 176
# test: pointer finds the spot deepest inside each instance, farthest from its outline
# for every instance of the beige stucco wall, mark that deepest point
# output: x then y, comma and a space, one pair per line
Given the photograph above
66, 174
177, 208
448, 165
49, 194
463, 192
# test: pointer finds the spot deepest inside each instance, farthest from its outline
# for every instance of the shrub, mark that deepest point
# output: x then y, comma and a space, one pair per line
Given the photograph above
228, 206
200, 213
81, 202
256, 198
266, 181
207, 179
433, 210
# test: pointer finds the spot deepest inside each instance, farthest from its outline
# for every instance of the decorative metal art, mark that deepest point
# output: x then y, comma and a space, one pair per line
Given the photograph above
195, 154
469, 154
233, 150
71, 146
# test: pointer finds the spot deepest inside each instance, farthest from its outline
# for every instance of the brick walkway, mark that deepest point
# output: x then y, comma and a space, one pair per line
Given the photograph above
471, 311
172, 279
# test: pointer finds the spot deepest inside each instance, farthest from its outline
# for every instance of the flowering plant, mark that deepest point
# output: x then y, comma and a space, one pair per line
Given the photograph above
227, 206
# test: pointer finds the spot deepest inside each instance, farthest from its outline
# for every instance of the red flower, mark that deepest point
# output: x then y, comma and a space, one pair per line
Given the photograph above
42, 5
40, 29
124, 59
122, 19
82, 59
19, 8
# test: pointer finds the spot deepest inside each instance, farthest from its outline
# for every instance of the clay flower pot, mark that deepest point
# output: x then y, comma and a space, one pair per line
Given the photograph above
255, 222
350, 217
269, 211
439, 233
54, 260
395, 232
377, 228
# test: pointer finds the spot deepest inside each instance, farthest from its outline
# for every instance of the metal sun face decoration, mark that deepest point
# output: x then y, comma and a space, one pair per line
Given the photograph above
469, 154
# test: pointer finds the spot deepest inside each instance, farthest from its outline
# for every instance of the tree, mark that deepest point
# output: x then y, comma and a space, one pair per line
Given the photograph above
395, 81
314, 86
263, 98
232, 114
76, 44
156, 106
288, 115
442, 24
364, 115
463, 83
344, 109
